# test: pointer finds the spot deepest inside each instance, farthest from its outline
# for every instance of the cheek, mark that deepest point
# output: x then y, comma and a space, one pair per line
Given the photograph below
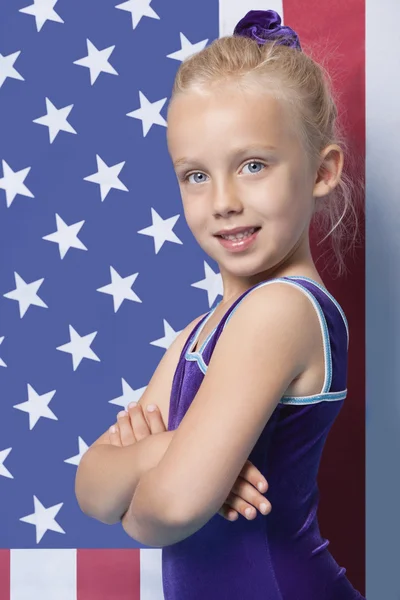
283, 219
194, 212
193, 221
292, 221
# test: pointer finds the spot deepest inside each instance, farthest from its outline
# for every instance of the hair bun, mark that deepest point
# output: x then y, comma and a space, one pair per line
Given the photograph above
265, 25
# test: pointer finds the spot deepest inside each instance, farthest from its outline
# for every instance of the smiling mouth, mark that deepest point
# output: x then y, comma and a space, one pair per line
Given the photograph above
238, 239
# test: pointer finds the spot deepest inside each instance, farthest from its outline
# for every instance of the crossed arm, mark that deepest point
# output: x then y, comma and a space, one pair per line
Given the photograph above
259, 353
107, 475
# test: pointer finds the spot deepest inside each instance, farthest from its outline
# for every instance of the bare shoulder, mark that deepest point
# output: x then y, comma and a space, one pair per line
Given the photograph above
280, 314
158, 390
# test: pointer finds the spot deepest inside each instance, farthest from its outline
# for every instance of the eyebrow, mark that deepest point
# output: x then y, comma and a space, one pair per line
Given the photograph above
237, 152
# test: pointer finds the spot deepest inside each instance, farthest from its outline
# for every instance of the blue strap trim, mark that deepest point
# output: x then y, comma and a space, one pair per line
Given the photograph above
196, 357
328, 397
196, 336
335, 302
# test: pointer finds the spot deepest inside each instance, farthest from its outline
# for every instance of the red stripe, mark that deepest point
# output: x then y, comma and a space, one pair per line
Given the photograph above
5, 574
108, 574
338, 30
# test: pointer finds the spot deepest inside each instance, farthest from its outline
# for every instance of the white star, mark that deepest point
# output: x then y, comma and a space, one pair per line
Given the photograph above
37, 406
43, 518
128, 395
3, 471
13, 183
79, 347
26, 294
161, 230
56, 120
97, 61
66, 236
120, 288
2, 363
42, 10
149, 113
75, 460
187, 49
7, 67
138, 9
212, 283
170, 335
107, 177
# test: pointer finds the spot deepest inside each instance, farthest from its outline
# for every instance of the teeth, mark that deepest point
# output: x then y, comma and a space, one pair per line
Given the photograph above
240, 235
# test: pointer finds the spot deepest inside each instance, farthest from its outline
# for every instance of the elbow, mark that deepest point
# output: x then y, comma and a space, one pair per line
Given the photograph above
178, 517
134, 528
84, 495
155, 532
184, 510
188, 520
80, 487
153, 519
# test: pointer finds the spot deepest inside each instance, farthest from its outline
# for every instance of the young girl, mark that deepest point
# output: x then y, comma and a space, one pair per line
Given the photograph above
253, 137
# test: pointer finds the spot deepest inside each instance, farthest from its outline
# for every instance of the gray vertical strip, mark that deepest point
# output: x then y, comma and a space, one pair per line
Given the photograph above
382, 299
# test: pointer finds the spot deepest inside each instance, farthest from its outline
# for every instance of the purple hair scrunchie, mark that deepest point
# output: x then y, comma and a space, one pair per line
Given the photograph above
264, 25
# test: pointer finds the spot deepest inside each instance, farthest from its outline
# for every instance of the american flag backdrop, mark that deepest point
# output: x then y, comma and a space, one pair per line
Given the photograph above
99, 271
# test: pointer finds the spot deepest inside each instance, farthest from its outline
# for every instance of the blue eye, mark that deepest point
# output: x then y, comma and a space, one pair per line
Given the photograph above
252, 162
190, 174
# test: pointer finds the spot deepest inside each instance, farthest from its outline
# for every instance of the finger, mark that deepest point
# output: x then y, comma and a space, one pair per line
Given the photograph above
244, 508
115, 439
254, 476
138, 421
241, 506
125, 428
228, 513
155, 419
247, 492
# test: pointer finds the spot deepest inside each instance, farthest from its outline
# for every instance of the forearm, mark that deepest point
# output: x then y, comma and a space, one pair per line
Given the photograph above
107, 475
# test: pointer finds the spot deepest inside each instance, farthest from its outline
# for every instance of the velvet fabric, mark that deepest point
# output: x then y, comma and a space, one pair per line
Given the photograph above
265, 25
280, 556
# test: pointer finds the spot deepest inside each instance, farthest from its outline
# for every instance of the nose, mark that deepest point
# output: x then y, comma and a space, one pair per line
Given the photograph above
225, 200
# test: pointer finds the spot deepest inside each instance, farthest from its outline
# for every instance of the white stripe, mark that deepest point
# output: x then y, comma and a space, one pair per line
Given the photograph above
231, 11
41, 574
151, 574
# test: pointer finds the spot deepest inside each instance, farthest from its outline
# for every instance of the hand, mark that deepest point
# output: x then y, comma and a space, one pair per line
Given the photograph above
132, 426
244, 495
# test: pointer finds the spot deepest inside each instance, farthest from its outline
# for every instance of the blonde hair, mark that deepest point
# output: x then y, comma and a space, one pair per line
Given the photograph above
305, 85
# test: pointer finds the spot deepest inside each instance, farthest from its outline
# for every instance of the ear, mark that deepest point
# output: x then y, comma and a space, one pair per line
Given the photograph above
329, 171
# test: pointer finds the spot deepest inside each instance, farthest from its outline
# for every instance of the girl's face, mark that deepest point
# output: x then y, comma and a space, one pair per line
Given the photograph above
239, 163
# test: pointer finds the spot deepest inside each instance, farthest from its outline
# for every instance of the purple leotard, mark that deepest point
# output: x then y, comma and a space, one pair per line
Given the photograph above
281, 556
